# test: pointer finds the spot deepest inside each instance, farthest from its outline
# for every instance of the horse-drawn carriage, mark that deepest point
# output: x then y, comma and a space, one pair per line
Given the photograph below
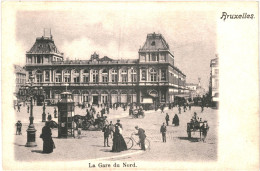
194, 126
137, 113
86, 123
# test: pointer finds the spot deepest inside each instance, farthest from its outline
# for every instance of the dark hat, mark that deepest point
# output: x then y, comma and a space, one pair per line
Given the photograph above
118, 120
136, 126
19, 121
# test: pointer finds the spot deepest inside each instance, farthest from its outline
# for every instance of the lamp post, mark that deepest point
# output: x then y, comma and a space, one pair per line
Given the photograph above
43, 108
132, 79
30, 91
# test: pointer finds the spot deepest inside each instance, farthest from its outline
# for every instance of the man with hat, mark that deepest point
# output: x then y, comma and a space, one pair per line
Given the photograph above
204, 129
18, 127
106, 130
142, 136
163, 131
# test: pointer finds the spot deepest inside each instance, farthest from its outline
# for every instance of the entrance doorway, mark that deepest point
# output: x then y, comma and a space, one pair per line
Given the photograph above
95, 100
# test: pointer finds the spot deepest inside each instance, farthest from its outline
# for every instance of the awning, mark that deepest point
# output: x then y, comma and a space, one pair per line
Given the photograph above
182, 95
148, 100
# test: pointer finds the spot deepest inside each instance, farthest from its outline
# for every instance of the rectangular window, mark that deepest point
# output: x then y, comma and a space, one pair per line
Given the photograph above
85, 79
76, 79
163, 75
29, 59
124, 78
67, 79
95, 78
114, 78
153, 77
47, 75
104, 79
143, 75
154, 57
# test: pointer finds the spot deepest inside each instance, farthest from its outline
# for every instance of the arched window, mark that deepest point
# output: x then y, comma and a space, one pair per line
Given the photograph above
95, 76
67, 76
153, 74
114, 76
104, 76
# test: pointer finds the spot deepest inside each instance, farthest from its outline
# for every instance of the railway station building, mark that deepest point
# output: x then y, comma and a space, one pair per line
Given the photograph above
150, 78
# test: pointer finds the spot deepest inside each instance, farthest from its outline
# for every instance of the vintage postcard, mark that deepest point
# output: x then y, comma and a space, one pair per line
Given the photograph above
130, 85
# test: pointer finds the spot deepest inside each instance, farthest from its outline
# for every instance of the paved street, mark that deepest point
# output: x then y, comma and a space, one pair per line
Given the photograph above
90, 146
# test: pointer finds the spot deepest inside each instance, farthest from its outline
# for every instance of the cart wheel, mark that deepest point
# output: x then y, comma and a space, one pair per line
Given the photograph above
189, 134
87, 125
100, 125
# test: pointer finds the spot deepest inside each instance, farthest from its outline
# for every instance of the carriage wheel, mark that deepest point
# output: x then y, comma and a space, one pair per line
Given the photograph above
100, 125
87, 125
189, 134
129, 142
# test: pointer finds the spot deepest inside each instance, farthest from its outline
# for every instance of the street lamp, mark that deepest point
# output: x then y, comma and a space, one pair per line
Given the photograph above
30, 91
43, 108
132, 75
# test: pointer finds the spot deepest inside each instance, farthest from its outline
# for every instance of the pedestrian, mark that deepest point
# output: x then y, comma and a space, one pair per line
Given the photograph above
119, 124
163, 131
48, 143
55, 113
79, 126
106, 131
179, 109
142, 136
28, 108
202, 108
18, 127
18, 107
111, 128
189, 106
162, 109
175, 120
167, 118
204, 129
49, 117
184, 108
107, 110
118, 141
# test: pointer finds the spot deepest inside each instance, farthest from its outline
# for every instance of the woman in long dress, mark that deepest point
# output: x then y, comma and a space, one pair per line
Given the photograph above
48, 144
118, 141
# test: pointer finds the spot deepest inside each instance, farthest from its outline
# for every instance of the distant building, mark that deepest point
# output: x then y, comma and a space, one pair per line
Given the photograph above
192, 86
153, 78
20, 78
214, 79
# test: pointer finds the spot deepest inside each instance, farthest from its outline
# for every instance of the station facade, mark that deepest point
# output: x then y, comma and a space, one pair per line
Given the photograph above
151, 78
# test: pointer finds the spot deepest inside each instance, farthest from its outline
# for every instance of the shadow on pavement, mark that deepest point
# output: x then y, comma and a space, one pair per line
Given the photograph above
19, 144
189, 139
37, 151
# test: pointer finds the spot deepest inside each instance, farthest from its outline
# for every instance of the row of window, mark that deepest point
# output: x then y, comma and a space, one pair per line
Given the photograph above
95, 76
41, 59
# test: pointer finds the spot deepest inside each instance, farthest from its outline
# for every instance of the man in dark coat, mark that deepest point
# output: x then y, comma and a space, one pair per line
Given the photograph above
18, 127
48, 144
119, 124
106, 131
204, 129
163, 131
55, 113
142, 136
175, 120
167, 118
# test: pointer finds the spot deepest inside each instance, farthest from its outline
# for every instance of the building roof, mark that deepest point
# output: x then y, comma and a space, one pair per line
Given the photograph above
155, 42
19, 69
44, 45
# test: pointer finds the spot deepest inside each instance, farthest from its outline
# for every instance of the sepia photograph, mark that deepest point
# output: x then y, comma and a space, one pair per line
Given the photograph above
118, 85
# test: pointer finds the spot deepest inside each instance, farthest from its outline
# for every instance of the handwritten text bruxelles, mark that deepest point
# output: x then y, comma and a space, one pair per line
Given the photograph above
225, 16
103, 165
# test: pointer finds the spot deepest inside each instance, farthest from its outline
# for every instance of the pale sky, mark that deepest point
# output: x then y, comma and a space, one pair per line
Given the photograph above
119, 31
